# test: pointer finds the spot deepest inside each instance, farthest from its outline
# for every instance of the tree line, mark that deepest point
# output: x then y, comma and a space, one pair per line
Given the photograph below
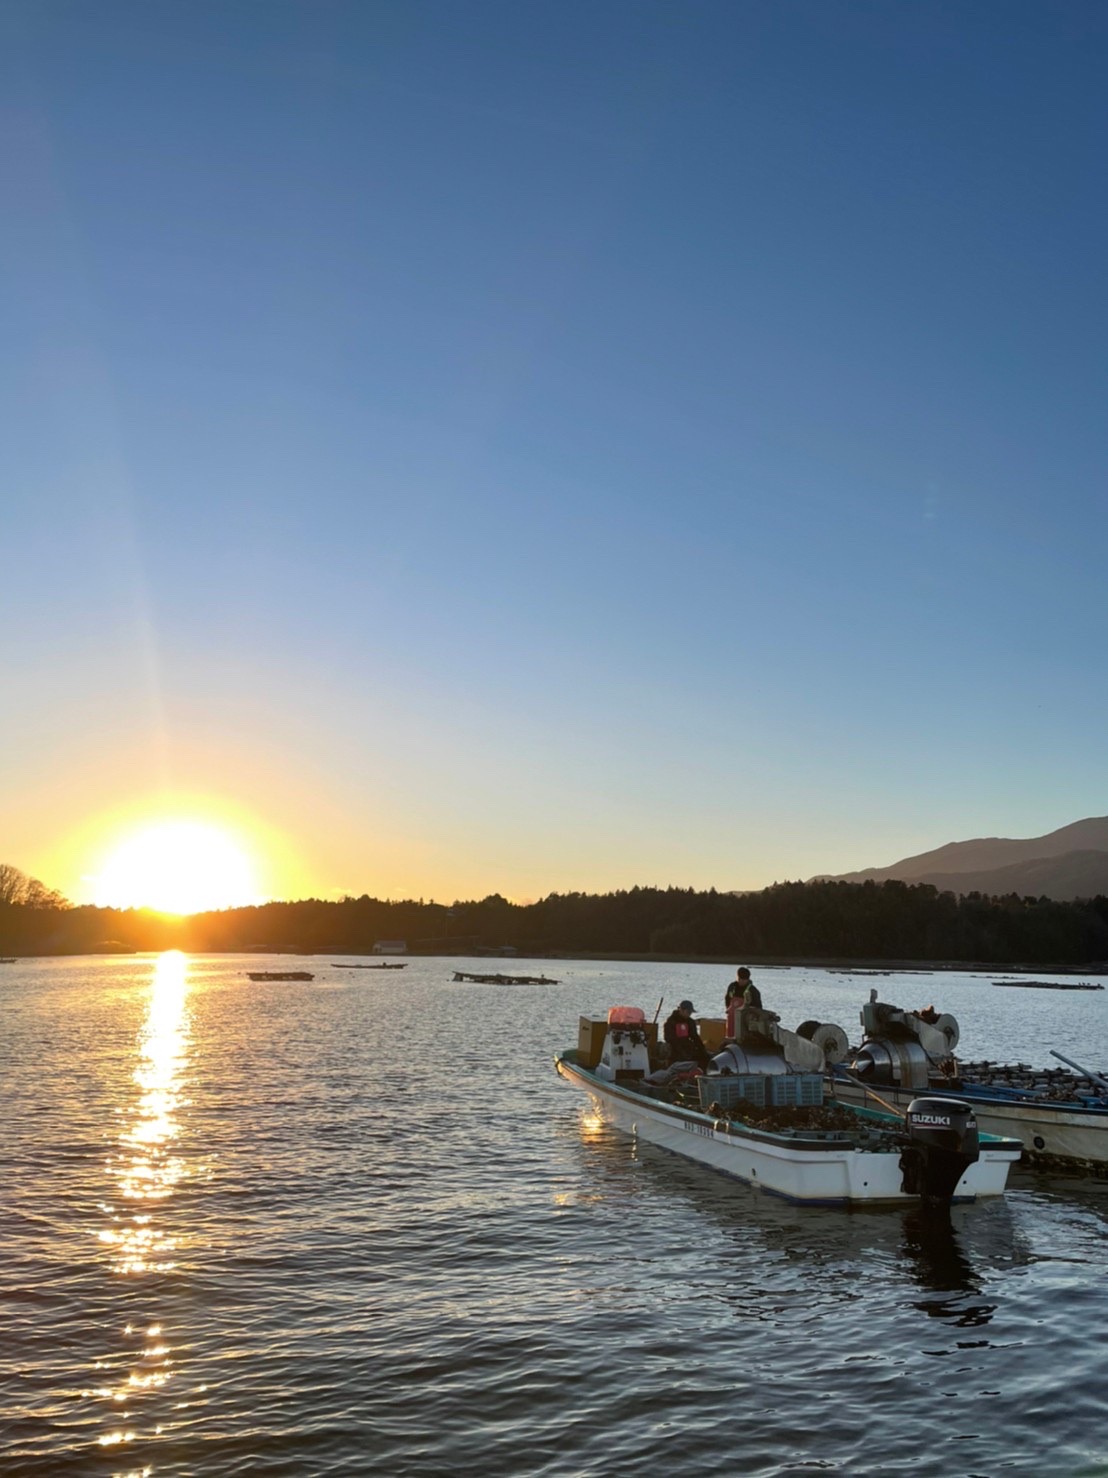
793, 920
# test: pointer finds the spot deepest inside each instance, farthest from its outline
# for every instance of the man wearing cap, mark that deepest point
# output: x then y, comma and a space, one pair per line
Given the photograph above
683, 1036
741, 992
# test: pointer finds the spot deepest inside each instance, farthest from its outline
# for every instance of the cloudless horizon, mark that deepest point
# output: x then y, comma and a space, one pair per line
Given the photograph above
542, 447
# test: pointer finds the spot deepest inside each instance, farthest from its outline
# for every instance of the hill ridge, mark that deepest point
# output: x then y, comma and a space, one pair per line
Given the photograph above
1071, 862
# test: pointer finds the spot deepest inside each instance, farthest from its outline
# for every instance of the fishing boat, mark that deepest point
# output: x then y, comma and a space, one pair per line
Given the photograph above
758, 1115
1060, 1114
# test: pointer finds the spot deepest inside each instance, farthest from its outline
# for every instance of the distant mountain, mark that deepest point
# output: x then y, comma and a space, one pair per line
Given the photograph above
1069, 863
1073, 875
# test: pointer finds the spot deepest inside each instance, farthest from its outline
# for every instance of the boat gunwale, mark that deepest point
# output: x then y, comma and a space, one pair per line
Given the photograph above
995, 1143
995, 1097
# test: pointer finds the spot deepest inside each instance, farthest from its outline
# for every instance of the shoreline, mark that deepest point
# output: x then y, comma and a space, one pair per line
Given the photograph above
852, 966
847, 965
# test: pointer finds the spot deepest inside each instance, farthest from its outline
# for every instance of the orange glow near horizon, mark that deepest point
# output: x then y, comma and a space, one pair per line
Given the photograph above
177, 867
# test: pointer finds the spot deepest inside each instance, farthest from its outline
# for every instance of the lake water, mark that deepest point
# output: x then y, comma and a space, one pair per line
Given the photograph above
361, 1226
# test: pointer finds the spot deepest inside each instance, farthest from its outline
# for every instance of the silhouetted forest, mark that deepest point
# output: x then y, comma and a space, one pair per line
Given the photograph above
812, 921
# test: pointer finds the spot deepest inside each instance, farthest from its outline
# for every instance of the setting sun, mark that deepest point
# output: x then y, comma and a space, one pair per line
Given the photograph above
177, 867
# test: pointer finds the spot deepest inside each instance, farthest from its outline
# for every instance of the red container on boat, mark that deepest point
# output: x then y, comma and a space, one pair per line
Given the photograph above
626, 1016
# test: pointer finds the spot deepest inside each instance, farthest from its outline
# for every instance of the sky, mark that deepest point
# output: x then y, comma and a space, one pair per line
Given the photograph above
543, 446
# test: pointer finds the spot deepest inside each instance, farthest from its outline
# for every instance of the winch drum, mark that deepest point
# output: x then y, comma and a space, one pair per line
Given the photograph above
894, 1064
736, 1059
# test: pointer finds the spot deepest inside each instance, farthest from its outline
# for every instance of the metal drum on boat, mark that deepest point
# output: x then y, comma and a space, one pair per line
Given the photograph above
737, 1059
893, 1063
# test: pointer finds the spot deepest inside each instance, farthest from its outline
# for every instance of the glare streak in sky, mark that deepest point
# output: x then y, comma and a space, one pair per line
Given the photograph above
516, 450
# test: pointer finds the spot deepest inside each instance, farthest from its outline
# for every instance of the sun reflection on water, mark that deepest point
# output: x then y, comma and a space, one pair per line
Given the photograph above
146, 1169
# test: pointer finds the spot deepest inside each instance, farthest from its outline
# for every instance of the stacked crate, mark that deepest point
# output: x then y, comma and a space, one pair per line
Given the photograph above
801, 1090
774, 1090
728, 1091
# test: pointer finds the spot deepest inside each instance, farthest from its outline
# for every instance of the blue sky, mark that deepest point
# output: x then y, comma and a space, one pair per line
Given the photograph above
533, 446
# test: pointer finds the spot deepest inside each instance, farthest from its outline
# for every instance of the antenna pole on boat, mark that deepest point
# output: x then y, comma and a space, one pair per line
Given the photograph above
658, 1008
1092, 1077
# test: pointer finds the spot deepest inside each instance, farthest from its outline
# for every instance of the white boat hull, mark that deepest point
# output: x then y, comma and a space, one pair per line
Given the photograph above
1049, 1132
813, 1171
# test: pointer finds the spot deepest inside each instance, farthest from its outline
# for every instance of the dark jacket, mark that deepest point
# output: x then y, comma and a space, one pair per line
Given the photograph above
747, 994
683, 1036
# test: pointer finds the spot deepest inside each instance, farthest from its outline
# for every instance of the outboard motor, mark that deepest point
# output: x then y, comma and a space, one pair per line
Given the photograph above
626, 1056
944, 1143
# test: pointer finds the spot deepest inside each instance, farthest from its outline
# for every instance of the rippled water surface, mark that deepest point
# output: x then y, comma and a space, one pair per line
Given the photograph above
359, 1225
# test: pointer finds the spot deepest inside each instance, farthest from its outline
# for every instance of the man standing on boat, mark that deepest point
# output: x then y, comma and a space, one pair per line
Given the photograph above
683, 1036
743, 989
741, 992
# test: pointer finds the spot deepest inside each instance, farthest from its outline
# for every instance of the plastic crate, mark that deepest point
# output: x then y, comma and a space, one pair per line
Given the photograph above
728, 1090
804, 1090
